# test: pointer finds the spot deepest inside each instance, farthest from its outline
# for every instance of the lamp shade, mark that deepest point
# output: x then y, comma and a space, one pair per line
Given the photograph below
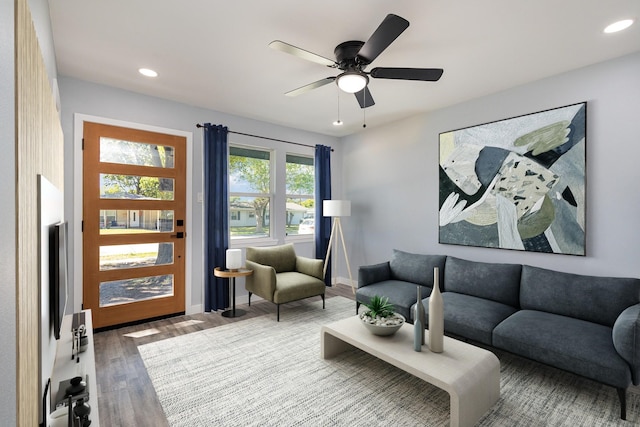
336, 207
352, 82
234, 259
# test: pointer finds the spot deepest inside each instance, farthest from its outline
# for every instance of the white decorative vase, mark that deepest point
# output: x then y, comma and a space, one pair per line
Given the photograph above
436, 315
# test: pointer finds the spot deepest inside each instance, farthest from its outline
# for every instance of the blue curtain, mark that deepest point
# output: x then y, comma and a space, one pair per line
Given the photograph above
216, 214
323, 192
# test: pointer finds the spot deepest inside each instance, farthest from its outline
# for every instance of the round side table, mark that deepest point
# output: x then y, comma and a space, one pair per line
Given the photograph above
232, 274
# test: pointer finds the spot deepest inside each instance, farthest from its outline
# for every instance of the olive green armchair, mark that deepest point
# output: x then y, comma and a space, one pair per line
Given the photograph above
280, 276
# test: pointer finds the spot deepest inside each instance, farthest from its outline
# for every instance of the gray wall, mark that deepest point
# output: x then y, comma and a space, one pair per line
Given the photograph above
391, 173
97, 100
42, 23
8, 223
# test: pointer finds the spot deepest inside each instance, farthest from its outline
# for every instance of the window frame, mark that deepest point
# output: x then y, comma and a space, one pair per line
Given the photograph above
235, 241
278, 193
312, 196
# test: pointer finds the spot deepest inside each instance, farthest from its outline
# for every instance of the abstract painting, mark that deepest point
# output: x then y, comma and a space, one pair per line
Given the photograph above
517, 183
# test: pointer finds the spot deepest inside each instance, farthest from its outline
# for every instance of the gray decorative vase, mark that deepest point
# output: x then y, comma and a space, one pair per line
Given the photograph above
418, 314
417, 335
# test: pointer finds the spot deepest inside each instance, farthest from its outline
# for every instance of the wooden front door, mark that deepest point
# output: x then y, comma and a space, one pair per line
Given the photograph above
134, 197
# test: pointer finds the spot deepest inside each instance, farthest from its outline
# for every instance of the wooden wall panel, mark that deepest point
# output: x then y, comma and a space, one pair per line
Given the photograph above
39, 150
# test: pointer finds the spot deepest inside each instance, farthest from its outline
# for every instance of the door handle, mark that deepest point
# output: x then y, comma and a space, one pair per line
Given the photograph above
178, 235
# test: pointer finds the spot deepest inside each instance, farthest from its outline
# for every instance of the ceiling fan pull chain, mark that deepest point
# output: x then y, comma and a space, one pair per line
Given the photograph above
338, 90
364, 110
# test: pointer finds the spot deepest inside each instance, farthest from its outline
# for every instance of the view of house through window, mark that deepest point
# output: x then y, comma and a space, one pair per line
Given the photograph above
251, 190
300, 199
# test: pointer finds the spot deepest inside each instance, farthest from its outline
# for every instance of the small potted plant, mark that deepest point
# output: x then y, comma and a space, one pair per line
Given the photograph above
380, 318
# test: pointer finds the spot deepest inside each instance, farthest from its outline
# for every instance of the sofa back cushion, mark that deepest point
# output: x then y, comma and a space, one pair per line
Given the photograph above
415, 268
496, 282
591, 298
282, 258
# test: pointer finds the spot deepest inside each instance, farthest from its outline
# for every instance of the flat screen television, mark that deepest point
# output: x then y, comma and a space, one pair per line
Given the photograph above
58, 274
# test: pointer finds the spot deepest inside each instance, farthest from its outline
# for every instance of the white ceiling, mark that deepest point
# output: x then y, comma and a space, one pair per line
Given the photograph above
214, 54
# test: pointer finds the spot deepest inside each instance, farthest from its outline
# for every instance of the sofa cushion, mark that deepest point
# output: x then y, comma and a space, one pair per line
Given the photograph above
369, 274
496, 282
471, 317
575, 345
591, 298
400, 293
415, 268
626, 339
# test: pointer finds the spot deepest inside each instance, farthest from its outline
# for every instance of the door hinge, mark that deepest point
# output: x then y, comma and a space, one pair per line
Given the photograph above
83, 143
82, 227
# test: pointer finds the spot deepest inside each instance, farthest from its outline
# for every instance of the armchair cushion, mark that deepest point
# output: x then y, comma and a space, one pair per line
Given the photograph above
309, 266
292, 286
282, 258
263, 280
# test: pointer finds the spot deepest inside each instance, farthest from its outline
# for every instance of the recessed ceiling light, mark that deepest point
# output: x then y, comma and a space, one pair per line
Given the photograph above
338, 123
147, 72
618, 26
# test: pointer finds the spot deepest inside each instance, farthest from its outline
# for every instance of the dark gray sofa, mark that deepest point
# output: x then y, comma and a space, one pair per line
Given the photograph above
586, 325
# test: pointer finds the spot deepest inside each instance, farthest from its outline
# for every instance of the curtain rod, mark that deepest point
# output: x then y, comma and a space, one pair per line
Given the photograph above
264, 137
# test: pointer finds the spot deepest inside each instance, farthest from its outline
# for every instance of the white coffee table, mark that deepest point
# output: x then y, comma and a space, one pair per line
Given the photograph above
471, 375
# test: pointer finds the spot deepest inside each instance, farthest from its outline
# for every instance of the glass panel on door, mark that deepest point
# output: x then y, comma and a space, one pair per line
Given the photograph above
134, 290
135, 221
135, 153
131, 187
114, 257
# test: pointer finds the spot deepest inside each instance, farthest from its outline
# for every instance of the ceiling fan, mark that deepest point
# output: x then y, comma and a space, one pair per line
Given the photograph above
352, 57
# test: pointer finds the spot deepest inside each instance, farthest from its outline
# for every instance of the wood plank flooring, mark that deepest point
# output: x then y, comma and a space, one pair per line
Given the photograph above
126, 396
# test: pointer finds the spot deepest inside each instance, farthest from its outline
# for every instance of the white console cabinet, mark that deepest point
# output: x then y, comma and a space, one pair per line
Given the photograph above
66, 368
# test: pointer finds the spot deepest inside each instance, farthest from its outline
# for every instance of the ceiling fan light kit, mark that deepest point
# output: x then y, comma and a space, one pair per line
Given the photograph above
352, 81
352, 58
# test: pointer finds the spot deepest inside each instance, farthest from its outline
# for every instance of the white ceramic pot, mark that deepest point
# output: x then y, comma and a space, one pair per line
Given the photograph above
382, 327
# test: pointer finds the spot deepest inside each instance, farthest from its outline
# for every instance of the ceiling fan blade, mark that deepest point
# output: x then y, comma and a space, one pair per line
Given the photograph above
389, 30
364, 98
310, 86
301, 53
424, 74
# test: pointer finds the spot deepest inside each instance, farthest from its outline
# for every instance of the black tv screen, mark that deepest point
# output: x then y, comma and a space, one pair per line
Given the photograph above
58, 275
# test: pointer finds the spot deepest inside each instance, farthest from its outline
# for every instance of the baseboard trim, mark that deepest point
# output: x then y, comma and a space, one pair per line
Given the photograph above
195, 309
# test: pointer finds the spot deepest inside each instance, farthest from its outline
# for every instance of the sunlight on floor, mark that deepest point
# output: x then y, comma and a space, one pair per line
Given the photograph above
188, 323
144, 333
153, 331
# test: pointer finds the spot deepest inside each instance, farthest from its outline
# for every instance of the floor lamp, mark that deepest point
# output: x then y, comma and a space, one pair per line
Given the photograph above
337, 209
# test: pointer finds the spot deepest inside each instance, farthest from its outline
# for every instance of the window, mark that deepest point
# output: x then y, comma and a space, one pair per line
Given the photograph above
300, 208
250, 191
261, 206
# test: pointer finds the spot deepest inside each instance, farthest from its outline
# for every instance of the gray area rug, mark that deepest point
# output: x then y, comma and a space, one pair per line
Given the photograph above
259, 372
